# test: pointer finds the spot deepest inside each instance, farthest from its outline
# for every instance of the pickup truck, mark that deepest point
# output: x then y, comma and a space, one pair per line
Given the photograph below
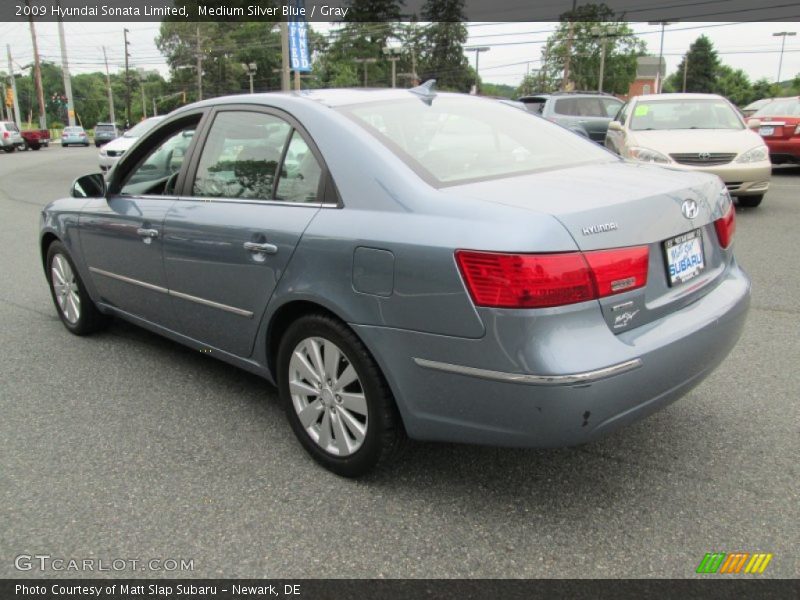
36, 138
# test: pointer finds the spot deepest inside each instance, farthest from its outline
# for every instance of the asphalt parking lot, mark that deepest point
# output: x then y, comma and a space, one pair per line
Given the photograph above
126, 445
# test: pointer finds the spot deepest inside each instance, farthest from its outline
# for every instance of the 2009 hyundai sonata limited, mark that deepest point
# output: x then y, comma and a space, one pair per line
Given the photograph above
408, 263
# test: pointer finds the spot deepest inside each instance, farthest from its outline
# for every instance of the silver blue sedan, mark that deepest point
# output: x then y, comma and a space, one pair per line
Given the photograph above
406, 263
74, 136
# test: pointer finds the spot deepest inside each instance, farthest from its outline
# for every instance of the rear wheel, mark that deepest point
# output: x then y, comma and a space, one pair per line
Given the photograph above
750, 201
336, 399
75, 308
9, 149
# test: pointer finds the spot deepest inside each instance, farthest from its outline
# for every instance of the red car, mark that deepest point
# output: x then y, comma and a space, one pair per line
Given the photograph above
780, 127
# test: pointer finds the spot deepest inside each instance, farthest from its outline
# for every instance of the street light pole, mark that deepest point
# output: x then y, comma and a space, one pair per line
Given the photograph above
660, 52
393, 55
365, 62
477, 50
782, 35
250, 69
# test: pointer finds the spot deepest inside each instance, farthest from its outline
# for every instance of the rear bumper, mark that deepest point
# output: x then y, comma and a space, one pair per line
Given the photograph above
782, 151
594, 381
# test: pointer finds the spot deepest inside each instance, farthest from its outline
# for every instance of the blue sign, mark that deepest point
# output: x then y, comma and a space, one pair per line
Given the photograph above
298, 42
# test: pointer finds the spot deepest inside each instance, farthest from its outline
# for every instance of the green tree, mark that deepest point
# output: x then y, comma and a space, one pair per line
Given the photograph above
370, 26
703, 68
442, 57
584, 51
734, 85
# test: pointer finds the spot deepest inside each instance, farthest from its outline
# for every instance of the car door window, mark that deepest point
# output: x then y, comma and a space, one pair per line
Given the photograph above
611, 106
157, 171
300, 173
622, 115
241, 156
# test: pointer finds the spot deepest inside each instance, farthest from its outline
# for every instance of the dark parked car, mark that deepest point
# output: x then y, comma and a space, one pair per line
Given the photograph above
585, 113
104, 133
408, 263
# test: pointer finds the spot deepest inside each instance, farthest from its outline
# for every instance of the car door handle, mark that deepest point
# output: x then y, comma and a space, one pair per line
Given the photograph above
264, 248
147, 233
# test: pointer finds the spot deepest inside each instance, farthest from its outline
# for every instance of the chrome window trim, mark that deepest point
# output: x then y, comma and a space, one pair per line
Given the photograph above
210, 199
162, 290
572, 378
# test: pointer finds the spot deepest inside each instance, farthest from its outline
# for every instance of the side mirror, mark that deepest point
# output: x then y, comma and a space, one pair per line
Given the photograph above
615, 126
753, 123
89, 186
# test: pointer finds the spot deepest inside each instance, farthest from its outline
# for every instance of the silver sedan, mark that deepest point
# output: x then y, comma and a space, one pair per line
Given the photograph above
403, 263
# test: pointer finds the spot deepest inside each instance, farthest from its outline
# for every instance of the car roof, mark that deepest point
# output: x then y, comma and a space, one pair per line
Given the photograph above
326, 97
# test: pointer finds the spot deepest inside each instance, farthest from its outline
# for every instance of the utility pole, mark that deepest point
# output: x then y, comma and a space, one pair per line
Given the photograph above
155, 108
37, 73
685, 70
17, 119
65, 72
568, 55
111, 116
603, 33
127, 79
140, 72
477, 50
284, 56
782, 35
199, 66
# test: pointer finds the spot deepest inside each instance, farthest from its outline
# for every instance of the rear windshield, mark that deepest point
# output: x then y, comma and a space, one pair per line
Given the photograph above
73, 129
587, 107
783, 107
684, 114
100, 127
459, 139
10, 126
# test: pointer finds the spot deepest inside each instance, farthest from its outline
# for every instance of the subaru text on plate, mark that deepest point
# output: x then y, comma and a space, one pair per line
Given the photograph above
401, 262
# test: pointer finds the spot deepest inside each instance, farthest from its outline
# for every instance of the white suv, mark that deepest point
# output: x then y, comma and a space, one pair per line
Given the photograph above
10, 137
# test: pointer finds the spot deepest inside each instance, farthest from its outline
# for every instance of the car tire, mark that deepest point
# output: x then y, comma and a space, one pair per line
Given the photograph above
24, 146
349, 429
750, 201
63, 145
9, 149
75, 308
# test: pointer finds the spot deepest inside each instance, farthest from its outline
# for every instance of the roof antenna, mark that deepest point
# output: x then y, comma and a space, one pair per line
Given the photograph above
426, 91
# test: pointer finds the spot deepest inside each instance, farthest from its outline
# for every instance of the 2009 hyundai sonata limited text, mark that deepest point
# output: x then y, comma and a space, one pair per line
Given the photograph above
407, 263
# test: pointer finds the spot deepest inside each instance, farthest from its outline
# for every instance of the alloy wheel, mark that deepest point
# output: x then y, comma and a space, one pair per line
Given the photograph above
65, 286
328, 396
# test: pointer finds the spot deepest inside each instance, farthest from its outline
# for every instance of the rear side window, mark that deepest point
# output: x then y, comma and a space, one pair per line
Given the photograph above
581, 107
458, 139
535, 105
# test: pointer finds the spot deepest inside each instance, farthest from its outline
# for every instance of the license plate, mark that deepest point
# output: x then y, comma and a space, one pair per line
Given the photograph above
766, 130
685, 258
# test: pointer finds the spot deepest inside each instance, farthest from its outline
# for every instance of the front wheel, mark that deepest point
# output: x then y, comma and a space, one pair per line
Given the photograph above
73, 304
336, 399
750, 201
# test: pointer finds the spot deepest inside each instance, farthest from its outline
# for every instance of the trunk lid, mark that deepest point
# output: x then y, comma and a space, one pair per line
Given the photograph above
622, 204
778, 128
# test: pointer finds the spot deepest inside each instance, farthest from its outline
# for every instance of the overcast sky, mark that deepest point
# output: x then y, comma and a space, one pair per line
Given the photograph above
749, 46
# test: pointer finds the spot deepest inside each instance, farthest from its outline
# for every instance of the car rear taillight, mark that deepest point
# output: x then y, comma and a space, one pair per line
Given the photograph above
618, 270
726, 227
503, 280
5, 135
